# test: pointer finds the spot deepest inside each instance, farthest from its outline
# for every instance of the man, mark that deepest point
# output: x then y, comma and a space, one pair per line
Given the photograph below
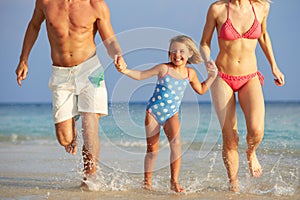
77, 80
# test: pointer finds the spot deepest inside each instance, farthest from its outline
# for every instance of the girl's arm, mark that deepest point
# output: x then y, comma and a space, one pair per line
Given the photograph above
157, 70
266, 45
201, 88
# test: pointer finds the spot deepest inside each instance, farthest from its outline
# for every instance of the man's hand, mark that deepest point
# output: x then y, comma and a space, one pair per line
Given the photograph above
21, 72
120, 63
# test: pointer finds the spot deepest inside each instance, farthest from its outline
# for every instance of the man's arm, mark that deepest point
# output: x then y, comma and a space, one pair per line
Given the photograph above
105, 29
31, 35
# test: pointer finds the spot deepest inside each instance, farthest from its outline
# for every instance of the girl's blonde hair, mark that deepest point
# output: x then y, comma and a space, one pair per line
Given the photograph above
269, 1
190, 44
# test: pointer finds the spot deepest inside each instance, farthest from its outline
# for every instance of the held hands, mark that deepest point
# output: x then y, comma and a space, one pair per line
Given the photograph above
211, 68
120, 63
21, 72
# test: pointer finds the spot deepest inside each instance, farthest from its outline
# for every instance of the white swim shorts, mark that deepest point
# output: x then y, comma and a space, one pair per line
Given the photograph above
78, 89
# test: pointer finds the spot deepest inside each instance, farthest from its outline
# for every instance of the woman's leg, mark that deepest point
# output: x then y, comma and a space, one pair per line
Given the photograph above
172, 130
252, 103
152, 128
225, 106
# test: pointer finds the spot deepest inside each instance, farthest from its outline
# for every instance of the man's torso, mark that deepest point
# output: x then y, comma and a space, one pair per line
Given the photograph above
71, 29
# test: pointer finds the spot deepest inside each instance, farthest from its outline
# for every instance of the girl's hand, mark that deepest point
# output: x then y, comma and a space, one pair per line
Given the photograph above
211, 68
120, 63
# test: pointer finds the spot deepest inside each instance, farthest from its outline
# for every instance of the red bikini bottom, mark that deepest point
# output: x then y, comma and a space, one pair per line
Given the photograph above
237, 82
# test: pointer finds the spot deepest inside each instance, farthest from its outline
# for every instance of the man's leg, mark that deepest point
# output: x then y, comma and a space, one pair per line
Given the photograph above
66, 133
91, 142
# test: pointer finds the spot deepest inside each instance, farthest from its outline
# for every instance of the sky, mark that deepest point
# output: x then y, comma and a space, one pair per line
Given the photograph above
143, 29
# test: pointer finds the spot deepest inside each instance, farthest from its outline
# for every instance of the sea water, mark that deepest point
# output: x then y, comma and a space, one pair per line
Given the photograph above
27, 136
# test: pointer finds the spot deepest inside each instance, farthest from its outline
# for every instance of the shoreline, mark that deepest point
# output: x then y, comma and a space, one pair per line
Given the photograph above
45, 171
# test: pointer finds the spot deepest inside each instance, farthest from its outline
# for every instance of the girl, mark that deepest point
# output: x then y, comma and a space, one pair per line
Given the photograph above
163, 106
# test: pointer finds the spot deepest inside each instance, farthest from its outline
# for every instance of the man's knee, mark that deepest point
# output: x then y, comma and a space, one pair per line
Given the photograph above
65, 134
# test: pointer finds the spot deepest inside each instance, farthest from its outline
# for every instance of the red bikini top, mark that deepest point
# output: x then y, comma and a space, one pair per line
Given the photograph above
228, 32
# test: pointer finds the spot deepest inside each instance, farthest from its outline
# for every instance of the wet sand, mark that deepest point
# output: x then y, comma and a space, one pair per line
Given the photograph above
45, 171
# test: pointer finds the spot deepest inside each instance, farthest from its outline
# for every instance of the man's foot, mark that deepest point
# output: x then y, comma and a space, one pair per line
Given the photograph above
234, 186
84, 186
254, 166
89, 162
176, 187
147, 185
72, 147
90, 183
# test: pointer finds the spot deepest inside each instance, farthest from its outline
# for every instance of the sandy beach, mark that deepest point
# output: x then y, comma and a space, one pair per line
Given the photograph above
44, 171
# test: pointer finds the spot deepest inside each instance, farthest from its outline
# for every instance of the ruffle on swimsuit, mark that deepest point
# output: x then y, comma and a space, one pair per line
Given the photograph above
237, 82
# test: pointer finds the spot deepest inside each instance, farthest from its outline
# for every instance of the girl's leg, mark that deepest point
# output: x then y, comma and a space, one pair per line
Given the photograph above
225, 106
152, 128
252, 103
172, 130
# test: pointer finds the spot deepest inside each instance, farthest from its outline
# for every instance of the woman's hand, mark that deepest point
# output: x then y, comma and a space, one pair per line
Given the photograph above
278, 77
211, 68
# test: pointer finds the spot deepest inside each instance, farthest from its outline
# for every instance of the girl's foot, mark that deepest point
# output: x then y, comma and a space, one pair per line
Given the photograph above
234, 186
147, 185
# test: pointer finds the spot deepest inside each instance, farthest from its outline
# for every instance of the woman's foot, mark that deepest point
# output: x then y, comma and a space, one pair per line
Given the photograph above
254, 166
176, 187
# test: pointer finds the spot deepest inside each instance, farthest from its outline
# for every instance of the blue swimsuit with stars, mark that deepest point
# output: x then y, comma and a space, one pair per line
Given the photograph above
166, 98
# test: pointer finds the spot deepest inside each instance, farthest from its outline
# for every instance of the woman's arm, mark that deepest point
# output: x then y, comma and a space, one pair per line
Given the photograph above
207, 34
266, 45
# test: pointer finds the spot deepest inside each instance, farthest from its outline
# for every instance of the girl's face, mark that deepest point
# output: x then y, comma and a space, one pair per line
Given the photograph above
179, 53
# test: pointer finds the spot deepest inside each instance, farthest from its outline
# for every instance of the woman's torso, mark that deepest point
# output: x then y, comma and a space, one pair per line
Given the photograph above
238, 31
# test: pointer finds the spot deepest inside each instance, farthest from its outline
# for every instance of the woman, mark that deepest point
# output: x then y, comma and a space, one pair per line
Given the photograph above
237, 65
